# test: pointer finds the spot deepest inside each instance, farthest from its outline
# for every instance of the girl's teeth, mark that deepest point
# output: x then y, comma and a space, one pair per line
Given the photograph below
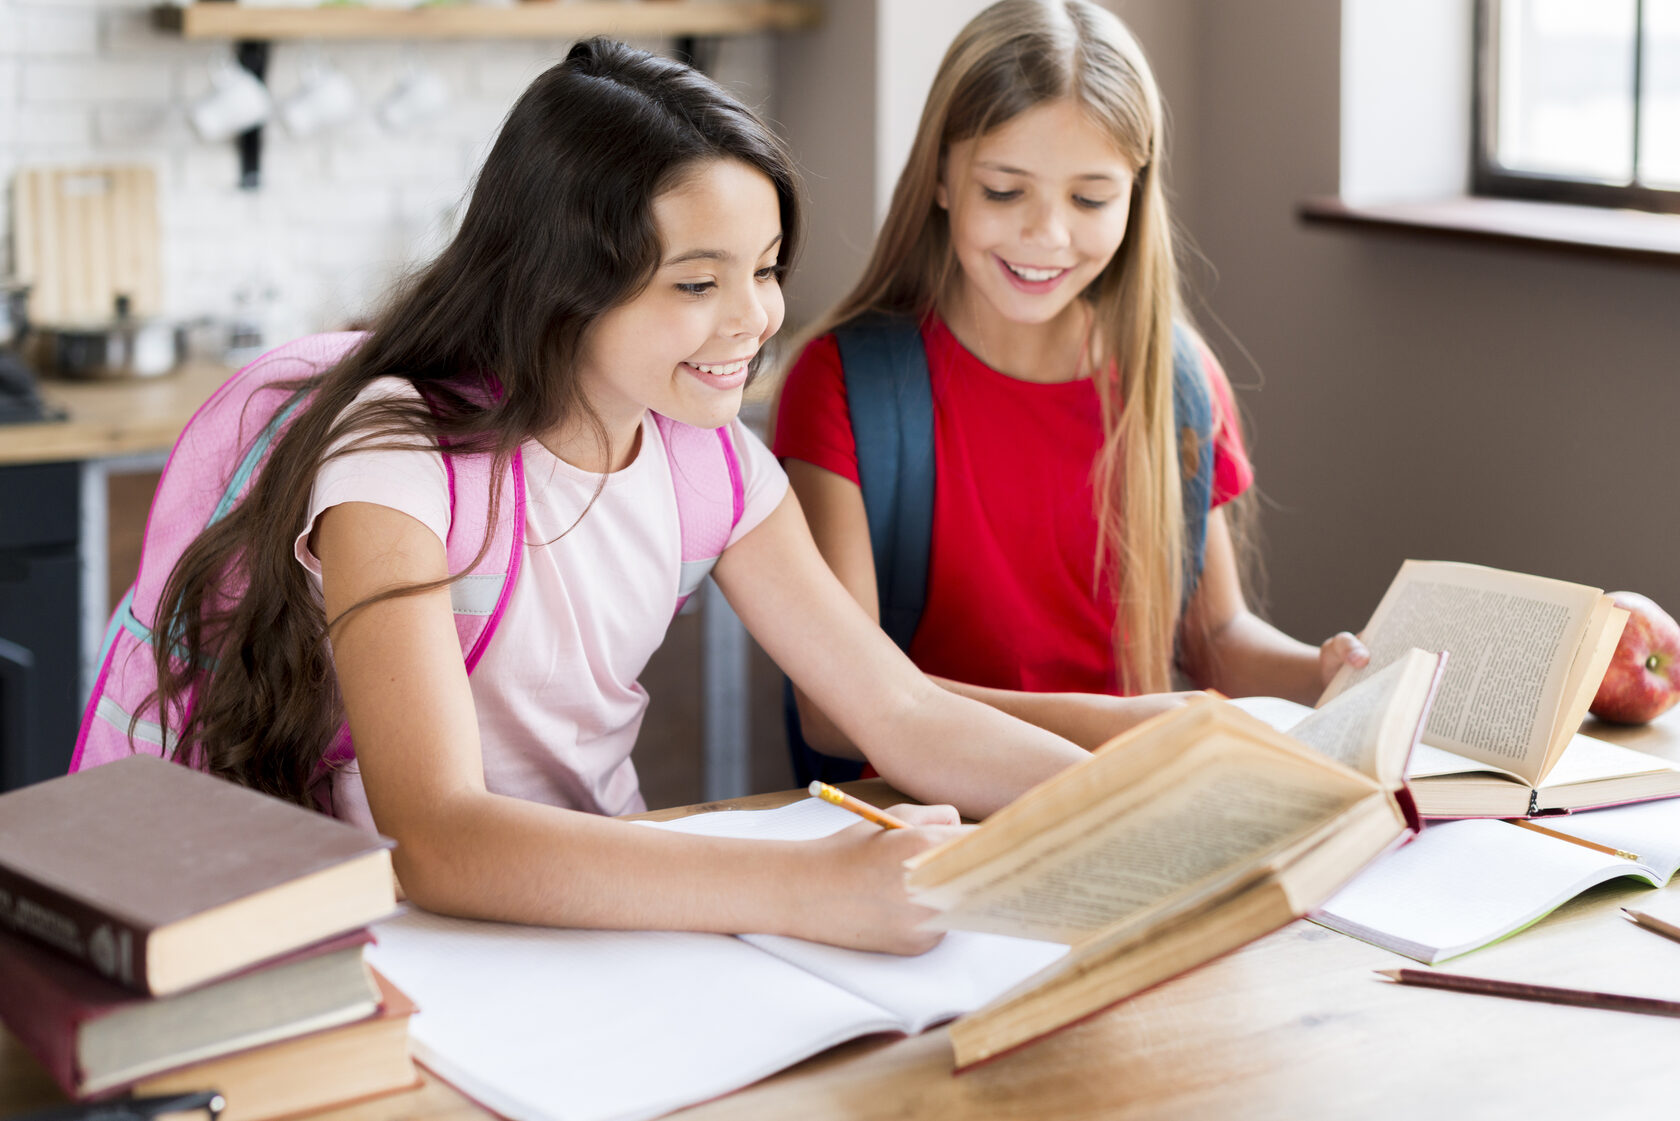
719, 371
1034, 275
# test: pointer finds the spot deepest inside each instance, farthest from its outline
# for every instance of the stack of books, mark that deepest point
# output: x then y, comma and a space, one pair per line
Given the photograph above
164, 931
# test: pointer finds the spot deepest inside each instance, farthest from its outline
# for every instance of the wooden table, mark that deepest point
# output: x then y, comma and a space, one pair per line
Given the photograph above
1294, 1026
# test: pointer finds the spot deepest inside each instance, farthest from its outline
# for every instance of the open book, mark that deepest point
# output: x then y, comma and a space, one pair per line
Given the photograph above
1527, 656
1463, 884
540, 1024
1186, 837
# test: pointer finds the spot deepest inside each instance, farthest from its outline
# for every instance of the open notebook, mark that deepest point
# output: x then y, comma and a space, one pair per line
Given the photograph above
1463, 884
540, 1024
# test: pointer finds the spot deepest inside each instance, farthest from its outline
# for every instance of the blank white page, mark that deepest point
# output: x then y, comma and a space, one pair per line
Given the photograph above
1463, 884
540, 1024
959, 975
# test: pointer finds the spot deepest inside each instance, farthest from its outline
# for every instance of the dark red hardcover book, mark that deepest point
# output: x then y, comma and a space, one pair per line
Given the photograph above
96, 1038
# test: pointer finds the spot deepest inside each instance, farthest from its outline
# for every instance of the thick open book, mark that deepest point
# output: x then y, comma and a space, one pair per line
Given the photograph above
1187, 837
540, 1024
1463, 884
1527, 655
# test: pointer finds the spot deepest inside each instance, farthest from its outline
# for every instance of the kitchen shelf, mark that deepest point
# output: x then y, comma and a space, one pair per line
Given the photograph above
546, 19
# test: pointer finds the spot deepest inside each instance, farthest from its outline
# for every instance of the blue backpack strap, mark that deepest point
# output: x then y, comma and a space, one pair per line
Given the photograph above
891, 404
1193, 418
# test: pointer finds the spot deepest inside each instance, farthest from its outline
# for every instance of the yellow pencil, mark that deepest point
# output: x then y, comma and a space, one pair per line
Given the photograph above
863, 809
1583, 842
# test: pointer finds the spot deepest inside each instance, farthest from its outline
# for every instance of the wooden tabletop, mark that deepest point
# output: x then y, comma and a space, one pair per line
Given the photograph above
112, 418
1295, 1026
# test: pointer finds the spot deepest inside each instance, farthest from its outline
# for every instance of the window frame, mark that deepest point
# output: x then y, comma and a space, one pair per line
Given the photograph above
1491, 179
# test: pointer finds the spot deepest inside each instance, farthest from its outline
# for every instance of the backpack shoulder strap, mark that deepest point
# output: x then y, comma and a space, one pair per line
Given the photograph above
1193, 417
711, 495
890, 399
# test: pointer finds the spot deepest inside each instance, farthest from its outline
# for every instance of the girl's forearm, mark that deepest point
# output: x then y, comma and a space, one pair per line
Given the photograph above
950, 748
480, 855
1249, 657
1087, 719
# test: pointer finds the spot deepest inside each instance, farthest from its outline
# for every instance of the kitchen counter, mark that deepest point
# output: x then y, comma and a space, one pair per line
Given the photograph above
55, 566
111, 419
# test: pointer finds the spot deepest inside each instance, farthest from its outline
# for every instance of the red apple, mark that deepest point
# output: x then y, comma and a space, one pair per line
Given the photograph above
1643, 680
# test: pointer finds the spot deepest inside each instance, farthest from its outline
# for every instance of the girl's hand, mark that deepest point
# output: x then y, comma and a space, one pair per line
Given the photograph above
1338, 650
858, 898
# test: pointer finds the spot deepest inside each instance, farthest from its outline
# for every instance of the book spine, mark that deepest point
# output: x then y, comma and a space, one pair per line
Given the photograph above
103, 943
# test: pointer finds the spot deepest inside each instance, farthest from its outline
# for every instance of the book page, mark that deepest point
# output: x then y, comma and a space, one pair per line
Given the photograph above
1511, 640
1431, 762
1463, 884
1372, 725
1222, 820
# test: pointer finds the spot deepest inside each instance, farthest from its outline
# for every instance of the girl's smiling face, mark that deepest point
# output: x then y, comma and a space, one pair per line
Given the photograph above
681, 346
1037, 209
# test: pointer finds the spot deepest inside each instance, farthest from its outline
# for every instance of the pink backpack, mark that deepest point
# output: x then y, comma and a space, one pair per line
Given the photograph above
211, 468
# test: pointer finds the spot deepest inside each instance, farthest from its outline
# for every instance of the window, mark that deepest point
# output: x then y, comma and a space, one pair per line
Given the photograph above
1578, 101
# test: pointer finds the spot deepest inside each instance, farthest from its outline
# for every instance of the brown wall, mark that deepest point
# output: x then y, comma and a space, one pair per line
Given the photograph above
1418, 398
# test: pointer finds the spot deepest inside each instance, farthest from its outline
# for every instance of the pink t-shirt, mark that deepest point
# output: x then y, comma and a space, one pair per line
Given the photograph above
556, 691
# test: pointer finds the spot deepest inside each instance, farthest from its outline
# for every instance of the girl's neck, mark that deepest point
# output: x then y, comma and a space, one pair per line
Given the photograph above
579, 445
1057, 350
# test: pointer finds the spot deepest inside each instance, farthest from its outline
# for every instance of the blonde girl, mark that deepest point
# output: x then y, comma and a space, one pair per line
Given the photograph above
1028, 239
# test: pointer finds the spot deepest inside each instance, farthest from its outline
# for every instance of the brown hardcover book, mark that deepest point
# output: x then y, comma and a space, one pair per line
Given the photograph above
1179, 841
1526, 656
161, 878
360, 1060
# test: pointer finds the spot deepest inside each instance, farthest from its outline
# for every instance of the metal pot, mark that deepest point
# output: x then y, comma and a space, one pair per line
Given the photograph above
124, 347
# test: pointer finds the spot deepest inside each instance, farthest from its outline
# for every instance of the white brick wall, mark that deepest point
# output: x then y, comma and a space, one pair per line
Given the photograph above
338, 216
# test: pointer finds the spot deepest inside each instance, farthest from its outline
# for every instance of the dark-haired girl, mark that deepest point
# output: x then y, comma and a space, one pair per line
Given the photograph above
622, 256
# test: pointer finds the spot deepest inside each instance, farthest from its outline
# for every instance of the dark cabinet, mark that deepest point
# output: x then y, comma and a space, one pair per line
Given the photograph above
40, 612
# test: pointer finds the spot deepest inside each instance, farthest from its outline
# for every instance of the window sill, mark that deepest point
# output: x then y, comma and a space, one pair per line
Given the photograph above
1626, 234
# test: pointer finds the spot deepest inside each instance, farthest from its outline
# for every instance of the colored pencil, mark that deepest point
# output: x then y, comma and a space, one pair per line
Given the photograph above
1521, 990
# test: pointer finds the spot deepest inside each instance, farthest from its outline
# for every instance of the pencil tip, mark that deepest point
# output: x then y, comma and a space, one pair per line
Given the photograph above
1391, 974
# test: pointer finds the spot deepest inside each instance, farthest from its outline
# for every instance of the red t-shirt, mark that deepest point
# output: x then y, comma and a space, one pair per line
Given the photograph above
1012, 597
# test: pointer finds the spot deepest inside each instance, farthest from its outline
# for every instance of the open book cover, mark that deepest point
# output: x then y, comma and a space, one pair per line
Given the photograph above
1527, 656
1179, 841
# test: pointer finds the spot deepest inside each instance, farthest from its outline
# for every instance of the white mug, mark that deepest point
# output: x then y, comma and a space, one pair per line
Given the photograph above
327, 97
419, 96
238, 100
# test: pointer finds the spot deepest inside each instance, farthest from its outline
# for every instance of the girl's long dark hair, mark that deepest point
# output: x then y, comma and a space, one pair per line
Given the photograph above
558, 231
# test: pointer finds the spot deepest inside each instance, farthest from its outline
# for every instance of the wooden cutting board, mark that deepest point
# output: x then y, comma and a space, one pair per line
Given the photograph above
85, 235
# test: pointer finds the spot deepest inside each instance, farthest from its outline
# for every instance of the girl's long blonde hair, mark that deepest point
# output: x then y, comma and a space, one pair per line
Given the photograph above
1013, 56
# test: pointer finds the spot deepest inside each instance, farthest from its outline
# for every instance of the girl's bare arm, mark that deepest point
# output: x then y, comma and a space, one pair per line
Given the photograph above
463, 850
834, 508
928, 742
1229, 648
